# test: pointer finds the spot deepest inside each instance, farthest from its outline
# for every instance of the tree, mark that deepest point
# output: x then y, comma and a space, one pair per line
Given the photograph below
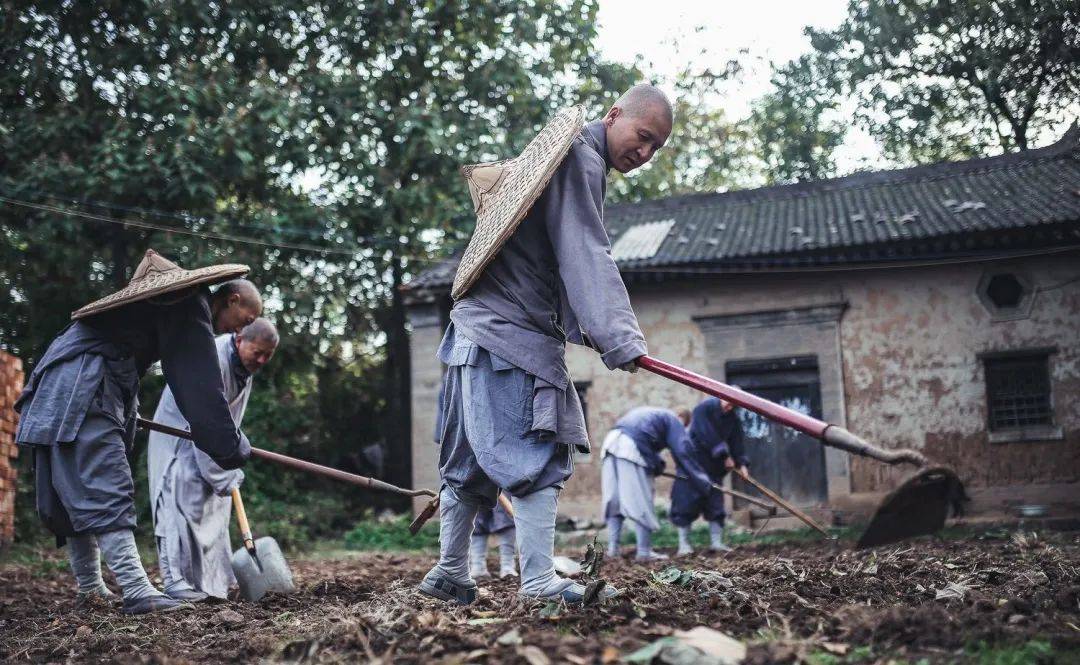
795, 126
937, 79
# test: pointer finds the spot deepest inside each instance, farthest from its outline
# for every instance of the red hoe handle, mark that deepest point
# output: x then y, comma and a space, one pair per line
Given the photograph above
830, 435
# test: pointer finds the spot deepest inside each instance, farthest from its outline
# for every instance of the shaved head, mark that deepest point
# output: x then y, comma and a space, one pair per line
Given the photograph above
233, 305
643, 99
637, 125
247, 291
260, 330
256, 343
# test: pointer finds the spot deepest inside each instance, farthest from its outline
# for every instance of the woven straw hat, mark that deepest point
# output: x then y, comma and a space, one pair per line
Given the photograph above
502, 192
156, 276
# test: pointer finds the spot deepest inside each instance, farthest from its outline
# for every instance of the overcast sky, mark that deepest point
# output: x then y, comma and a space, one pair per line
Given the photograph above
666, 35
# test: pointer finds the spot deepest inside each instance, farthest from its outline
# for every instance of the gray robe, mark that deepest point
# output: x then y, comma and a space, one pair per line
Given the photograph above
554, 282
190, 494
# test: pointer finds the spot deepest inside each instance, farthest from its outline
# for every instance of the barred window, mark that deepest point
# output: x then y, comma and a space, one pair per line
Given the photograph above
1018, 391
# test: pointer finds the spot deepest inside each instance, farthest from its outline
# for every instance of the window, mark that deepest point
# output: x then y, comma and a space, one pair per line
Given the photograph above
1005, 290
1007, 294
1018, 390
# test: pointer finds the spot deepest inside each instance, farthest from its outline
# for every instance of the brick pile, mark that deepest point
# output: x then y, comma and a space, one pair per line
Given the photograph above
11, 381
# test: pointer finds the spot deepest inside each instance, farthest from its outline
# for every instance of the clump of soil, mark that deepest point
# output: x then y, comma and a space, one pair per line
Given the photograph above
929, 599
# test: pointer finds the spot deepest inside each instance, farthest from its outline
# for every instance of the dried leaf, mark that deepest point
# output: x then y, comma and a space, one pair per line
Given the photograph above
952, 590
485, 622
510, 638
534, 655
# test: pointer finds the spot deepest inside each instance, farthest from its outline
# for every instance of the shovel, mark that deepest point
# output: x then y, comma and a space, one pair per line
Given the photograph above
259, 566
917, 507
317, 469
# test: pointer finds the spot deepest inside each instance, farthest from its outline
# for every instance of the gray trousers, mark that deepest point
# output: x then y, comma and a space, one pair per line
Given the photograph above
85, 487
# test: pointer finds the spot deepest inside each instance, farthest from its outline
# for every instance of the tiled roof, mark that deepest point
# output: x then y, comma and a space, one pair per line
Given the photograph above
1023, 199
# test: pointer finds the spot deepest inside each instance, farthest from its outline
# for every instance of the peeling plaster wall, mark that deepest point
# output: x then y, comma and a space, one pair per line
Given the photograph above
909, 340
908, 343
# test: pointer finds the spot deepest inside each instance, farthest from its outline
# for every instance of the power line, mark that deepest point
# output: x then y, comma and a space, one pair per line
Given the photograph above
208, 235
184, 217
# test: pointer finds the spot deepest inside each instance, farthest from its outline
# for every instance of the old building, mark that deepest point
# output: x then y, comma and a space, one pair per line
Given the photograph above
935, 307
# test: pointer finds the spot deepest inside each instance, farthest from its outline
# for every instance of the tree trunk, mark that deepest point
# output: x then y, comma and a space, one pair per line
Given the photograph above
398, 376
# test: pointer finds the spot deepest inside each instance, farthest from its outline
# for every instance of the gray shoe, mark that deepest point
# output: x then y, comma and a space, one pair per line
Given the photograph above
720, 547
651, 556
684, 550
152, 605
188, 595
577, 594
437, 585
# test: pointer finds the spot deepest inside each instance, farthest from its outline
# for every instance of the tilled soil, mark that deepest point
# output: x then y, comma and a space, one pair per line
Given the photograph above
926, 599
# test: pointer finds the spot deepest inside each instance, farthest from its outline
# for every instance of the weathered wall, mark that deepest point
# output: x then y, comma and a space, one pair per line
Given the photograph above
904, 369
426, 376
11, 381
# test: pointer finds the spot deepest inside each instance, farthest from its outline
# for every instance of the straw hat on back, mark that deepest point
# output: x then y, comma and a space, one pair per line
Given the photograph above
157, 276
502, 192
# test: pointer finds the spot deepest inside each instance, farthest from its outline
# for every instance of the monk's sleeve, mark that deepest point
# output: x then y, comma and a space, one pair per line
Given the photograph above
573, 205
189, 362
687, 465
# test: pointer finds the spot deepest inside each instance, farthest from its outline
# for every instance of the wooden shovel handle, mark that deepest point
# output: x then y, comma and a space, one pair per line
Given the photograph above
806, 519
506, 505
242, 520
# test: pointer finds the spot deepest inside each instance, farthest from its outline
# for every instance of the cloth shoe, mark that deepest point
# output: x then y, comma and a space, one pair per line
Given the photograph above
651, 556
438, 584
716, 537
152, 605
187, 595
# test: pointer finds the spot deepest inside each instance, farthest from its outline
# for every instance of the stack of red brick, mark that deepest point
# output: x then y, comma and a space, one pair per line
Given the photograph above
11, 381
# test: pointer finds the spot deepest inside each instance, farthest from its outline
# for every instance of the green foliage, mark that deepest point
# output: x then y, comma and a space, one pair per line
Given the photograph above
795, 127
1033, 651
329, 131
937, 79
393, 534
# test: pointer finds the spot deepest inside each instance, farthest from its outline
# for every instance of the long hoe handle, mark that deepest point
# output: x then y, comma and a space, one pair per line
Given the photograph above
806, 519
830, 435
735, 493
299, 464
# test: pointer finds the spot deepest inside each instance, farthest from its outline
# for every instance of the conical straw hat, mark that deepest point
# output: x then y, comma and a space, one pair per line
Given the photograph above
502, 192
157, 275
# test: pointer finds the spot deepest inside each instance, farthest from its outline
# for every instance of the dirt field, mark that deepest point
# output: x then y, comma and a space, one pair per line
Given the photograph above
820, 603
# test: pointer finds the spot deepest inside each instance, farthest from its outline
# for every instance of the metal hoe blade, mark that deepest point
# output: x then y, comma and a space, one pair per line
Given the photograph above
265, 573
918, 507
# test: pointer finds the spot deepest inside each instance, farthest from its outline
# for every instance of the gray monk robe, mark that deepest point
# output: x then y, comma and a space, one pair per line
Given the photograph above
553, 282
190, 497
510, 415
79, 405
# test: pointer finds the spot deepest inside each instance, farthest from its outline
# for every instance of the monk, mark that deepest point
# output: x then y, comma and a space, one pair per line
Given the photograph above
79, 406
190, 495
510, 415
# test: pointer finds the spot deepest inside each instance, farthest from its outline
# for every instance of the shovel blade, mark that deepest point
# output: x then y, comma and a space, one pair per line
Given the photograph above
918, 507
269, 573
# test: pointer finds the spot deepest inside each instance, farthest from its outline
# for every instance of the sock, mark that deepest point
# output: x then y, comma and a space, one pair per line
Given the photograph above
684, 538
455, 532
85, 559
534, 518
478, 555
644, 540
716, 533
507, 552
614, 529
122, 556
